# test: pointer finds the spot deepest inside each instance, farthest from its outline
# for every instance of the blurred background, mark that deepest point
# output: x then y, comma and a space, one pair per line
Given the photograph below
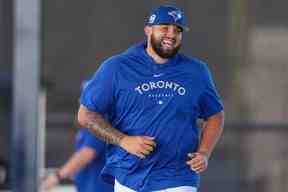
244, 42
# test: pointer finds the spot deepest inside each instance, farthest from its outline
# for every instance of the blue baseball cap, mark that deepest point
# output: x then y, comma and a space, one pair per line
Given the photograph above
167, 14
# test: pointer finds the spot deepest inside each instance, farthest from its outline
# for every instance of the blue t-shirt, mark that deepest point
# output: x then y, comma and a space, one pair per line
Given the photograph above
159, 100
88, 179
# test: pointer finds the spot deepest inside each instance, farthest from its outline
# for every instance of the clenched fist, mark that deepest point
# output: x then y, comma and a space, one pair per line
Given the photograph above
198, 161
141, 146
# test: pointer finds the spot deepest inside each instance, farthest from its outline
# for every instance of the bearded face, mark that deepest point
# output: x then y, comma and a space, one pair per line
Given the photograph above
166, 42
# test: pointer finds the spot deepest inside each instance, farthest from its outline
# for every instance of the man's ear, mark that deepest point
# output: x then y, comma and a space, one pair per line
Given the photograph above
148, 30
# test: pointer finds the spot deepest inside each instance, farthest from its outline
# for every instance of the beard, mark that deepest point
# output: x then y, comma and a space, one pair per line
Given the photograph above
157, 45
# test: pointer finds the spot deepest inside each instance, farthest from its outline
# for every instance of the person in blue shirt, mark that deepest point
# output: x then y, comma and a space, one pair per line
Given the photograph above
83, 167
153, 96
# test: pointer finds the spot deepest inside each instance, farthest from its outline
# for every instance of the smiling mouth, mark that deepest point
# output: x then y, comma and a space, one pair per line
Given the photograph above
168, 43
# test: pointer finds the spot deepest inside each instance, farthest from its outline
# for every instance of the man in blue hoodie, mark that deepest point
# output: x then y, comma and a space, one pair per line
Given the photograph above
84, 166
153, 96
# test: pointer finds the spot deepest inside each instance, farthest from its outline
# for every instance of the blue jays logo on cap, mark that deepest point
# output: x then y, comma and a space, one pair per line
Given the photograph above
167, 14
175, 14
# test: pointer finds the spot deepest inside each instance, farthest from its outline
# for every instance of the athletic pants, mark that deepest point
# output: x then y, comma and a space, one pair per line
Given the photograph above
121, 188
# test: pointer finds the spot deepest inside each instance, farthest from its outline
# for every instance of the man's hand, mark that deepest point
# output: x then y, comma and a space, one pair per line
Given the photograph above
49, 182
141, 146
198, 161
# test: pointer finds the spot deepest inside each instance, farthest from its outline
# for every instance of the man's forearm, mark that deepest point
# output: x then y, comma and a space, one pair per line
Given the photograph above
77, 162
211, 132
104, 130
99, 126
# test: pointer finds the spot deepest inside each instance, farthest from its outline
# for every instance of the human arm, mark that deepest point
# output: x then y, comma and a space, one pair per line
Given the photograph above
211, 132
140, 146
78, 161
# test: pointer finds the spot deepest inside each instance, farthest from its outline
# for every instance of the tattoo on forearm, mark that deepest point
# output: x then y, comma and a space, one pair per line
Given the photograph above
104, 130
